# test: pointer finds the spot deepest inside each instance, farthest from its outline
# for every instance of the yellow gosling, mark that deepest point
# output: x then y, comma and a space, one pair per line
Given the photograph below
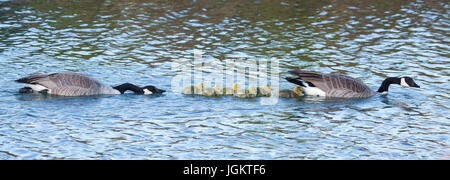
287, 93
231, 90
218, 90
249, 93
241, 95
208, 92
198, 89
228, 91
252, 91
298, 90
238, 92
264, 91
188, 90
235, 88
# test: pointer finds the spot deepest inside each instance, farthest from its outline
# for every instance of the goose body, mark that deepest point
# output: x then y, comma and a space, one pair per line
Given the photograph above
77, 84
337, 85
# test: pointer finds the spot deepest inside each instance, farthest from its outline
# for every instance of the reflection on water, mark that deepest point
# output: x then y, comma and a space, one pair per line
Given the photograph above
136, 41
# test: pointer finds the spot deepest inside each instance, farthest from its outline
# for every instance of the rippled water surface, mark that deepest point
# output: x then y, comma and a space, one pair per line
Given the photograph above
136, 41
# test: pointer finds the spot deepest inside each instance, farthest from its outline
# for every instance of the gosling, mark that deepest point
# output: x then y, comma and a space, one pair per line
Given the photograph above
287, 93
264, 91
201, 90
249, 93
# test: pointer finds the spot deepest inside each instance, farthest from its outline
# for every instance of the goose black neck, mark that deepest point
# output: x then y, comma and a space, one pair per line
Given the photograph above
128, 86
388, 81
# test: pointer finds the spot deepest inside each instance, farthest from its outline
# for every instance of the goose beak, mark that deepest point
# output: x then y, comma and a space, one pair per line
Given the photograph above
415, 85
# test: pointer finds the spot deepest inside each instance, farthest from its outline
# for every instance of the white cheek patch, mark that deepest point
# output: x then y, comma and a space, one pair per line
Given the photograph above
314, 91
37, 87
146, 91
403, 82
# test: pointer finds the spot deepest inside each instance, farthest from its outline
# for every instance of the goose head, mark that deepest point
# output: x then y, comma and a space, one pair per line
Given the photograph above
138, 90
408, 82
152, 90
403, 81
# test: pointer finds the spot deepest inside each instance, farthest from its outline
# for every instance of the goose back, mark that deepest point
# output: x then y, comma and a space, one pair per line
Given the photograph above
336, 85
69, 84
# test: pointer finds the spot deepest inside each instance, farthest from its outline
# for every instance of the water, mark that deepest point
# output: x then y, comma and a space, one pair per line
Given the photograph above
136, 41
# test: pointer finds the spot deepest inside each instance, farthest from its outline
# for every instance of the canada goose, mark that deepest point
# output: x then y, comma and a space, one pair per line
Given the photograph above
287, 93
77, 84
336, 85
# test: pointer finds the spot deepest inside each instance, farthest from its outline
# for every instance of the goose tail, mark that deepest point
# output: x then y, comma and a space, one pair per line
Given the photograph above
32, 79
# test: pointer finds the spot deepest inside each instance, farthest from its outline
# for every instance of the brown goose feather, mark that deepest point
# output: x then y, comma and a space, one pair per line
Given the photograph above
336, 85
68, 84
